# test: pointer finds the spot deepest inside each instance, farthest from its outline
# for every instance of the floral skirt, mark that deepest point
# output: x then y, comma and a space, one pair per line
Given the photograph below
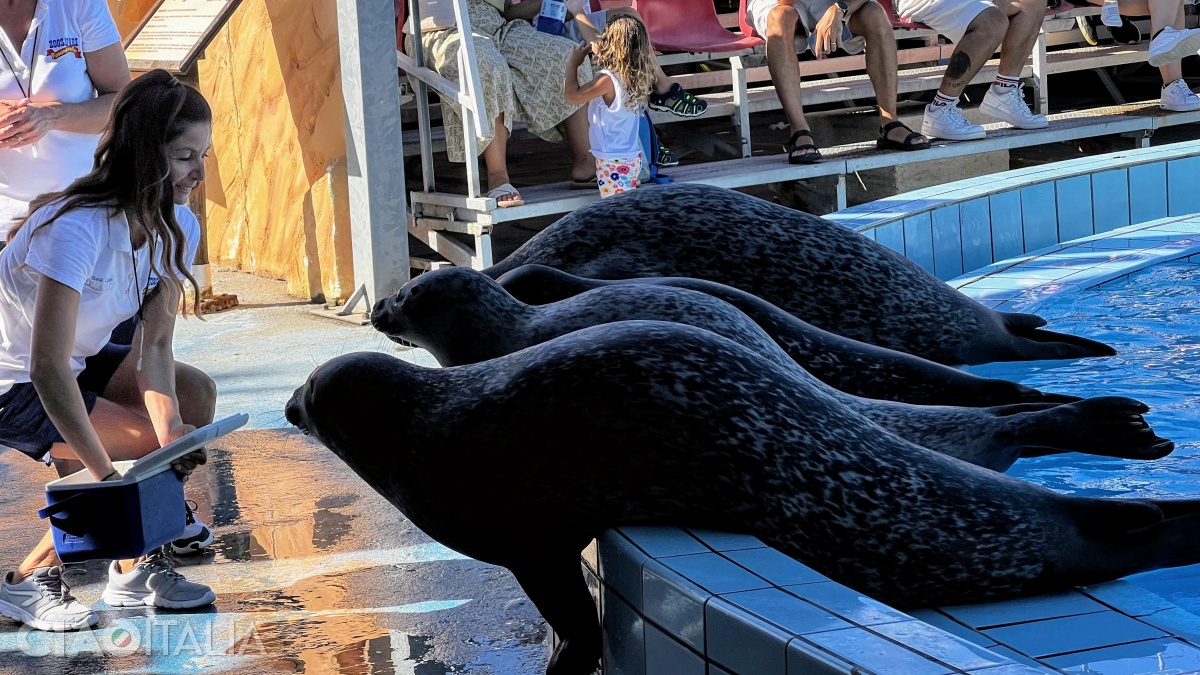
617, 174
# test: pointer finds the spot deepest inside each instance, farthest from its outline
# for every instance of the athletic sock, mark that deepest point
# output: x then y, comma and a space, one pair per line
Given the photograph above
941, 100
1004, 82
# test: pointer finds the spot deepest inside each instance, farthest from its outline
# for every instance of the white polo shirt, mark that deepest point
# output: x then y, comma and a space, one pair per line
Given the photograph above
63, 32
89, 252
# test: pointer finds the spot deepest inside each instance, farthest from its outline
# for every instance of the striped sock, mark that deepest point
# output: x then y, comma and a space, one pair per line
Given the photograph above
1005, 82
941, 100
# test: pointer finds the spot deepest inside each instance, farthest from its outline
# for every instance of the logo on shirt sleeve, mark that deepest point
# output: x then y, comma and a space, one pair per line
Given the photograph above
60, 47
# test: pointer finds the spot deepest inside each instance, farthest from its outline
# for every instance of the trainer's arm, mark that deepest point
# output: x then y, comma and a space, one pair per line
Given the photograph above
54, 317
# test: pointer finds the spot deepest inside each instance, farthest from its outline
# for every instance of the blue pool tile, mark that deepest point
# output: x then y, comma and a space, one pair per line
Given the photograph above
1073, 633
659, 542
743, 643
725, 541
939, 620
1074, 200
1127, 598
1147, 192
848, 604
624, 639
891, 236
1008, 239
1176, 621
918, 240
874, 653
1153, 656
1015, 669
804, 658
1018, 658
665, 655
621, 566
714, 669
1022, 610
1182, 195
1039, 216
975, 220
786, 611
1110, 199
776, 567
947, 243
714, 573
869, 234
674, 603
939, 645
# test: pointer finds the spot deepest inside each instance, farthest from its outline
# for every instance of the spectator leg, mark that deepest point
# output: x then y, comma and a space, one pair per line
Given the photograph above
1024, 22
871, 22
576, 127
1162, 13
783, 64
495, 155
980, 41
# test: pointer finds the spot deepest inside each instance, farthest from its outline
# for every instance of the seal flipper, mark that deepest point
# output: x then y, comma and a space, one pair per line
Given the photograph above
554, 582
1110, 426
1032, 343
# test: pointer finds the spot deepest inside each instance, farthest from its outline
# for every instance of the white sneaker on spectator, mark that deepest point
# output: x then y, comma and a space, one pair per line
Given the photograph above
196, 535
1009, 106
1178, 97
154, 583
947, 122
44, 601
1171, 45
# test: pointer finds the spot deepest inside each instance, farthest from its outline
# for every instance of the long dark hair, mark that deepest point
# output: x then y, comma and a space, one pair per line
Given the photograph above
131, 172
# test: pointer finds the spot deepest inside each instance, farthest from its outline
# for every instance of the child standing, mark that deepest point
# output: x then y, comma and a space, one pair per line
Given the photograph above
614, 99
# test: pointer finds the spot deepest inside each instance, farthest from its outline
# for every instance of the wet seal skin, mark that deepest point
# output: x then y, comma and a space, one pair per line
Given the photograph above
814, 269
849, 365
462, 316
660, 423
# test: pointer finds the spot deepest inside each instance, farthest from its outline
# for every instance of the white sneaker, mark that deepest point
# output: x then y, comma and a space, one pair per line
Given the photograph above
947, 122
196, 535
1171, 45
1178, 97
1110, 14
1010, 107
44, 601
154, 583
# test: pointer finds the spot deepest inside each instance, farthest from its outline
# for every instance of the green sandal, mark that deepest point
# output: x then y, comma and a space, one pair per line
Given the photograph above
678, 101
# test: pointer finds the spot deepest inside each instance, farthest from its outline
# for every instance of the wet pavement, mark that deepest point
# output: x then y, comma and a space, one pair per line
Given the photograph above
313, 571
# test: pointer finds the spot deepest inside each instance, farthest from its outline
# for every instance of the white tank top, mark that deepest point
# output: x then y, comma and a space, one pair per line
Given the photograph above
613, 130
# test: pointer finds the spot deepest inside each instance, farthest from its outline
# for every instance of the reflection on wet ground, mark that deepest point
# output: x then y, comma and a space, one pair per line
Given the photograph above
314, 573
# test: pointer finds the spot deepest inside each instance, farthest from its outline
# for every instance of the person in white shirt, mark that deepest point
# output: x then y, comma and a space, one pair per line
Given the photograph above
116, 243
615, 98
61, 66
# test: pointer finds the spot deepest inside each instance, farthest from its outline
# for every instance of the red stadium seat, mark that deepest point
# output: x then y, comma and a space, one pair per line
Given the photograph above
689, 26
401, 12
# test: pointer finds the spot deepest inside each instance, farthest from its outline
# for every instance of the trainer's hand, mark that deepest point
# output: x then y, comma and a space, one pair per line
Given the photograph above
185, 465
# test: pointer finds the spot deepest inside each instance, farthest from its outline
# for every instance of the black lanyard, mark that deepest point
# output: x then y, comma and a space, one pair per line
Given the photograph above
32, 65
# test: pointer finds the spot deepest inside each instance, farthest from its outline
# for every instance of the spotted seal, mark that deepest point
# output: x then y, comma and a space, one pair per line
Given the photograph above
814, 269
462, 316
849, 365
661, 423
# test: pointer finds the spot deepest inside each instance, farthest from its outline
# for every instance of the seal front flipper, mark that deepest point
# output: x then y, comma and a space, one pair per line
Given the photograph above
554, 582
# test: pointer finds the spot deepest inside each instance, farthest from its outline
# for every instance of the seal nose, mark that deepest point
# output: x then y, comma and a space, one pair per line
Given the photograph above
380, 311
293, 410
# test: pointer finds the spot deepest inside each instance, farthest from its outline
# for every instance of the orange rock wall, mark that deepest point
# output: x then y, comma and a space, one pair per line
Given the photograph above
277, 187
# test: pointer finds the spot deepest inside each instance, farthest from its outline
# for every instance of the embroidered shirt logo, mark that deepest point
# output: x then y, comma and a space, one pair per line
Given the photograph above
99, 283
63, 46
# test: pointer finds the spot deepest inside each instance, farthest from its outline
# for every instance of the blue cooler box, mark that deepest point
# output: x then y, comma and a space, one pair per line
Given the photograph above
117, 520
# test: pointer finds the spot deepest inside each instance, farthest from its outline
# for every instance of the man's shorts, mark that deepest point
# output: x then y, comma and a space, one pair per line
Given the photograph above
810, 13
24, 424
950, 18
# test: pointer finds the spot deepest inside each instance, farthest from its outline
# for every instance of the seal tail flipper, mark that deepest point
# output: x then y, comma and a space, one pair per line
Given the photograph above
1035, 344
1110, 426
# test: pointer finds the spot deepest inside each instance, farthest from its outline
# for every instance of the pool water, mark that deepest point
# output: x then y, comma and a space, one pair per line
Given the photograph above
1153, 320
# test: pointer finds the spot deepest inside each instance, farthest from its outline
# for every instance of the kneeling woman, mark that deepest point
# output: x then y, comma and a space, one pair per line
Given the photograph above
117, 243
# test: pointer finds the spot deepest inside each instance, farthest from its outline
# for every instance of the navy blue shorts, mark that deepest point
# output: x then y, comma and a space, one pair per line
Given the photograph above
24, 424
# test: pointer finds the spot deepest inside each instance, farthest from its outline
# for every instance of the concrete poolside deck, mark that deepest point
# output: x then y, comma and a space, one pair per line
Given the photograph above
314, 572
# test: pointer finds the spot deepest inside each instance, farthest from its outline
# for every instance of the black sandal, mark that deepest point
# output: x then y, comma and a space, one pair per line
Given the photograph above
678, 101
908, 144
807, 158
